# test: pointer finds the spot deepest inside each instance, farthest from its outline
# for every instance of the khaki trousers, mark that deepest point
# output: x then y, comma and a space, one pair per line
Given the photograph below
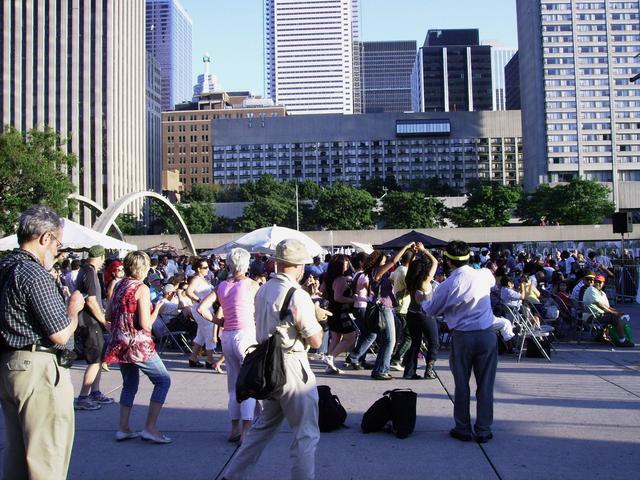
37, 402
298, 403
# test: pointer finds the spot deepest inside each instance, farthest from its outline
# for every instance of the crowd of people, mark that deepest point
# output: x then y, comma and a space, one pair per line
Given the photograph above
118, 309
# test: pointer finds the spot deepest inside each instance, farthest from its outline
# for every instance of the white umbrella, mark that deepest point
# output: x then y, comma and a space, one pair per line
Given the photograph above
76, 237
363, 247
264, 240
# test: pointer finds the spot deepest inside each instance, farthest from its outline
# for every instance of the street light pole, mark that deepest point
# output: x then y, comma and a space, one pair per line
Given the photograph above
297, 209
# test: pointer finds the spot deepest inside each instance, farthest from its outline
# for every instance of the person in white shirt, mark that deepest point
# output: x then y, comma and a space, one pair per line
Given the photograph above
464, 301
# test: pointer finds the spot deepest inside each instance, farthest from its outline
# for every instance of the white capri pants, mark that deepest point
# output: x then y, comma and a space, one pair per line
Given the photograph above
234, 344
204, 334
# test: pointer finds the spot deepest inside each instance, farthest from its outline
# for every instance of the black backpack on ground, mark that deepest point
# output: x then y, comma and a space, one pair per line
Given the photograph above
262, 372
331, 413
397, 406
377, 416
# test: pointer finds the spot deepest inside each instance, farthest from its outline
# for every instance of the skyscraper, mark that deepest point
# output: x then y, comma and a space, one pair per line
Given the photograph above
79, 68
309, 55
452, 72
168, 36
386, 76
154, 124
512, 83
580, 112
207, 81
500, 56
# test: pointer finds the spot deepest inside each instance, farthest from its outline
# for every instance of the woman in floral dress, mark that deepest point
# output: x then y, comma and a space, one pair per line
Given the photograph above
131, 315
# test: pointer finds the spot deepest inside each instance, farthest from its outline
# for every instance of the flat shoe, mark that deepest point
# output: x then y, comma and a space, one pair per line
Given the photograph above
234, 439
193, 364
121, 436
458, 435
415, 376
149, 437
484, 439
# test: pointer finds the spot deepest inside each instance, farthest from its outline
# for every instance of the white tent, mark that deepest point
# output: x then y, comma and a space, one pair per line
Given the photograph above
76, 237
264, 240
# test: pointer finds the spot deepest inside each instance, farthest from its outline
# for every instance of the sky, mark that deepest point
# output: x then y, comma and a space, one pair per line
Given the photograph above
231, 31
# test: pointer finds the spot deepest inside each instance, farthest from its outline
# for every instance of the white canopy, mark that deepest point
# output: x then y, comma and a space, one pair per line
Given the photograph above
76, 237
264, 240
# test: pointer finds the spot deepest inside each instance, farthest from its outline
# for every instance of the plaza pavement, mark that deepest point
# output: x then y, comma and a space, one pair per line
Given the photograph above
577, 417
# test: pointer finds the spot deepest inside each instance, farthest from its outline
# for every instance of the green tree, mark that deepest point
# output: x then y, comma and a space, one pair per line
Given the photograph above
433, 186
489, 204
343, 207
200, 217
378, 186
200, 192
127, 223
33, 170
580, 202
269, 210
266, 186
412, 210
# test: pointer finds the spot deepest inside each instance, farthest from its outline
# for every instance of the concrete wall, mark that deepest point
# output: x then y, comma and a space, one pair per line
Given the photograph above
471, 235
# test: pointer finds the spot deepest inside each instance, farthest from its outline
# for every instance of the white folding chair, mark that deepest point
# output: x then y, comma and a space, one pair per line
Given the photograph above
527, 329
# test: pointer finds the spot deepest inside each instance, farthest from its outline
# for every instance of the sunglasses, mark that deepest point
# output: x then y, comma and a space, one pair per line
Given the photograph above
204, 267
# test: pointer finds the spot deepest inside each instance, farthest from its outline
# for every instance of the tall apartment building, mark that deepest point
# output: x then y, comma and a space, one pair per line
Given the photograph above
452, 72
499, 58
186, 135
78, 66
512, 83
311, 55
386, 75
168, 38
154, 124
456, 147
580, 112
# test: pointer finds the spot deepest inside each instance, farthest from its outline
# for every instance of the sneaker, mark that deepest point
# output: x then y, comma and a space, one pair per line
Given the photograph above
625, 344
99, 397
396, 367
85, 403
381, 376
328, 360
484, 438
333, 371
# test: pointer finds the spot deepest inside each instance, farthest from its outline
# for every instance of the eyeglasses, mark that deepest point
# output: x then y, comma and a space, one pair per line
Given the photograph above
204, 267
58, 242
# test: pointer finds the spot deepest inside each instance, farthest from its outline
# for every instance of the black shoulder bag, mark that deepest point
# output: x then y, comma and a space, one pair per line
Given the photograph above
262, 371
374, 320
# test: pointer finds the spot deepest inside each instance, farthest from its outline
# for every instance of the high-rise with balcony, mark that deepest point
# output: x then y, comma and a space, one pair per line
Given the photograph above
452, 72
168, 36
580, 112
311, 55
78, 66
386, 75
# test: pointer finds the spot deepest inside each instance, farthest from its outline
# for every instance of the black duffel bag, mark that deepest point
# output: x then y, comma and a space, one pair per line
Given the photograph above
403, 411
262, 372
331, 413
377, 415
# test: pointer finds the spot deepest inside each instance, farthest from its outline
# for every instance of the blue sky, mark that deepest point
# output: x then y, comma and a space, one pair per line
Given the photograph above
231, 30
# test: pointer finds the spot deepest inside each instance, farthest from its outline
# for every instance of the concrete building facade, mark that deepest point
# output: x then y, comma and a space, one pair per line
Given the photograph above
512, 83
312, 55
581, 115
386, 76
452, 72
456, 147
154, 124
186, 133
168, 38
78, 66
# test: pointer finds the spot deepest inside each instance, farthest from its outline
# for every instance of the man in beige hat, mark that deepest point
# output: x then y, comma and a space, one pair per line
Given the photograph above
298, 399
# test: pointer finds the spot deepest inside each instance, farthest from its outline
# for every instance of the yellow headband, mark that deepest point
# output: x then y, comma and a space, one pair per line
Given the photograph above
453, 257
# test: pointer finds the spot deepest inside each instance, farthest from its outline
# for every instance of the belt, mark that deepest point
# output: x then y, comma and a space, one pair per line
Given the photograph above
34, 348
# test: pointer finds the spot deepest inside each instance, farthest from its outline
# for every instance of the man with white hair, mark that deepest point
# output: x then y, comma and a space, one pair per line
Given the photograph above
298, 399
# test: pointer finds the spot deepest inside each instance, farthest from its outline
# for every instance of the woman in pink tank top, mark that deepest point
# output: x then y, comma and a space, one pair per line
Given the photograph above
236, 297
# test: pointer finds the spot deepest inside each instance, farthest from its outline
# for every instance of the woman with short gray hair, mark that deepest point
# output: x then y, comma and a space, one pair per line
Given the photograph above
236, 297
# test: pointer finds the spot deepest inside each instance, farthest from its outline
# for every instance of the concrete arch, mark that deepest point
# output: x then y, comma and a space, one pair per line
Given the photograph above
108, 217
96, 208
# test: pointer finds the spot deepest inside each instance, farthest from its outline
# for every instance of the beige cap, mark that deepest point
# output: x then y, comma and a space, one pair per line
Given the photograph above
293, 251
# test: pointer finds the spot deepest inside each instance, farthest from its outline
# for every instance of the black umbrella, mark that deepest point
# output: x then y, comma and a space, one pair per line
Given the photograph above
412, 236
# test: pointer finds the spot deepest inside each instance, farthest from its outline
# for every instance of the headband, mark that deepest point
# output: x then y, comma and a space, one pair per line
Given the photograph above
461, 258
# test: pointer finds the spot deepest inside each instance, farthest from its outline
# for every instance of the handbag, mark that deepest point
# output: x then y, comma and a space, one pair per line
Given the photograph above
262, 372
374, 320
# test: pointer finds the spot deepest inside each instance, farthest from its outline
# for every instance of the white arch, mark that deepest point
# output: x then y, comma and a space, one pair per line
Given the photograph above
108, 217
96, 208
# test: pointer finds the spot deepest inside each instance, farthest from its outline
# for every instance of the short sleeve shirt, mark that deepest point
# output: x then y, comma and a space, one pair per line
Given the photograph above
88, 284
301, 322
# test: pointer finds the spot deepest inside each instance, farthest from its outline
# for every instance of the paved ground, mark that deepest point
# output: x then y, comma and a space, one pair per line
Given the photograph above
577, 417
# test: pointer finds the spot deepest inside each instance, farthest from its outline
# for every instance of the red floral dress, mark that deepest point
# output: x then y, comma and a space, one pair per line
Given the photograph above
129, 342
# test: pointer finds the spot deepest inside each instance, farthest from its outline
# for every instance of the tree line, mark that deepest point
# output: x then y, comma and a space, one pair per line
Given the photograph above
34, 169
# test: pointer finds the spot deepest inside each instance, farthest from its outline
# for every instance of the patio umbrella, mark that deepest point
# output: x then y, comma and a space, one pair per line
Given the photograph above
77, 237
362, 247
164, 248
412, 236
264, 240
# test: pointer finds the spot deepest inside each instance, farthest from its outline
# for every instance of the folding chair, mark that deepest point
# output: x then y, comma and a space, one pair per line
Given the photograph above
165, 336
527, 330
591, 323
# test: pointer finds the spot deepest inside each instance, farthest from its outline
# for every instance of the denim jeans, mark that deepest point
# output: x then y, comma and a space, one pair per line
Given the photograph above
152, 368
365, 339
403, 338
387, 340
